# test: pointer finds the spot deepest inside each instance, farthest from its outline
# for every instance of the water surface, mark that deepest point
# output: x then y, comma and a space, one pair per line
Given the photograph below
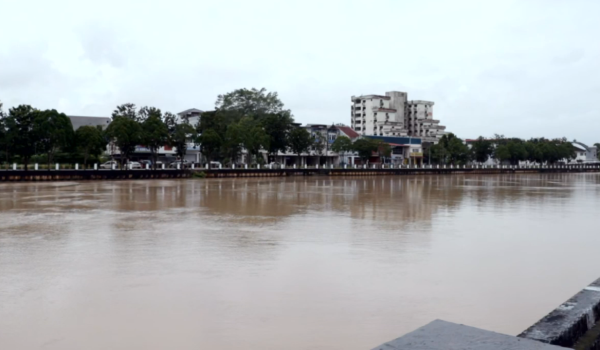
297, 263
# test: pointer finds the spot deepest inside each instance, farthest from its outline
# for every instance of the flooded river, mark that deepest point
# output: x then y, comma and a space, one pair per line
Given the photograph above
296, 263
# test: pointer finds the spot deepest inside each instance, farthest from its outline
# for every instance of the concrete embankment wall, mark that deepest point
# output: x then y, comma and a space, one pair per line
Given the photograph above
574, 324
79, 175
391, 171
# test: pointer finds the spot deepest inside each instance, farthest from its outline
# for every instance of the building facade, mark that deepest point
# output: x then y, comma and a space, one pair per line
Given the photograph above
405, 149
584, 153
394, 115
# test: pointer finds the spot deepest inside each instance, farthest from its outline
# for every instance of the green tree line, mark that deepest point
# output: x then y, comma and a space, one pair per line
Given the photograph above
254, 120
250, 119
44, 136
31, 135
452, 150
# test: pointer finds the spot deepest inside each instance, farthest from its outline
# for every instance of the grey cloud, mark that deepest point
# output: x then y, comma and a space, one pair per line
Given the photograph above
102, 44
513, 67
25, 66
569, 57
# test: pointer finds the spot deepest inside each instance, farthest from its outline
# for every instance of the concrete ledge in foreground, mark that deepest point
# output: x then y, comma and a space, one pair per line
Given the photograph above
442, 335
570, 321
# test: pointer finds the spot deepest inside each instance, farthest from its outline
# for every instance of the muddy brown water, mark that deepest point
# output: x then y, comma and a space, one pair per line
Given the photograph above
294, 263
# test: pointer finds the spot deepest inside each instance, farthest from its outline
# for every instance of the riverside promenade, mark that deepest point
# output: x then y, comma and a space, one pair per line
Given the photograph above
373, 170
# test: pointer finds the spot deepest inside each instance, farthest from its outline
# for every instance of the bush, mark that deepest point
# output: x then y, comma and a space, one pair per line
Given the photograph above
199, 175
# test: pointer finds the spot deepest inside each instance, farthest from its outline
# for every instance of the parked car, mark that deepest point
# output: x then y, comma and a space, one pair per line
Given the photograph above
146, 163
182, 164
215, 165
109, 164
134, 165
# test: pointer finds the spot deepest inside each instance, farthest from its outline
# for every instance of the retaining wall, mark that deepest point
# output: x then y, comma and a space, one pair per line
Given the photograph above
573, 324
77, 175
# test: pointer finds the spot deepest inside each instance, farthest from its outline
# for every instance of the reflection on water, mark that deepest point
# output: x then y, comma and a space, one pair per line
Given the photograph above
298, 263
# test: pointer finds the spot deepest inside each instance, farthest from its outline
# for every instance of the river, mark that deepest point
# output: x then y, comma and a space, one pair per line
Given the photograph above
287, 263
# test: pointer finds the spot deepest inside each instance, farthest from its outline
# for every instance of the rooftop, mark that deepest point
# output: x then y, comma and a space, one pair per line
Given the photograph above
191, 111
79, 121
421, 102
348, 131
368, 97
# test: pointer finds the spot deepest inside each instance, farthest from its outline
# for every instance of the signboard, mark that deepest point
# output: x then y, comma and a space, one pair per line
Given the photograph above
416, 154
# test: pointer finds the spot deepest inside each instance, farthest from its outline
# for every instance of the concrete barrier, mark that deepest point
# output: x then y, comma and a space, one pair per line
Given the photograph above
570, 322
442, 335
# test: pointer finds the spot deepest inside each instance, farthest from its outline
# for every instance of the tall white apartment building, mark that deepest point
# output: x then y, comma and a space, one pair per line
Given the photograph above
393, 115
418, 116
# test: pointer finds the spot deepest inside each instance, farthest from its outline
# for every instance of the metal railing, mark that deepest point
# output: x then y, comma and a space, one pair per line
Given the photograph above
375, 166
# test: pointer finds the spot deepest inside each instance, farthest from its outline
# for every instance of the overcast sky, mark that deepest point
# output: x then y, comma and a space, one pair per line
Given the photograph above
520, 68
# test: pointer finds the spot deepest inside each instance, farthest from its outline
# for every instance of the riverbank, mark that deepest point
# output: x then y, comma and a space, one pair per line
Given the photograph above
81, 175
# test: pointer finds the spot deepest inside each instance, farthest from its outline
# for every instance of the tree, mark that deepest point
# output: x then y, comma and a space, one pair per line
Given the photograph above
155, 132
143, 114
126, 133
511, 150
566, 150
210, 143
4, 141
450, 150
481, 150
251, 102
278, 127
21, 131
182, 132
300, 141
90, 141
54, 131
365, 148
234, 139
254, 137
383, 149
127, 110
342, 144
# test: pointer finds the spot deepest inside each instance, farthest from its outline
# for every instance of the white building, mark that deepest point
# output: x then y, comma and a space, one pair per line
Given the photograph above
393, 114
192, 116
419, 122
584, 153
